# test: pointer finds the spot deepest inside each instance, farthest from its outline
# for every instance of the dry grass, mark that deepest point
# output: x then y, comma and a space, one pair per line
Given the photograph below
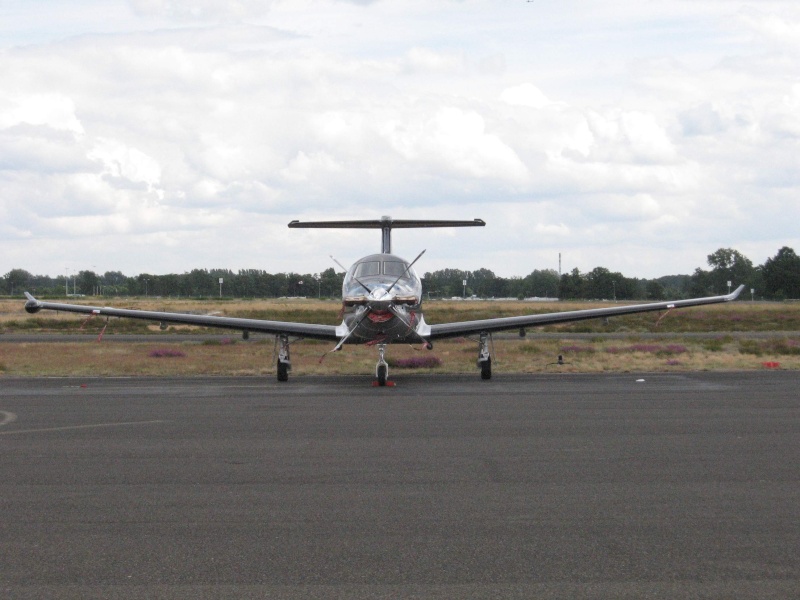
456, 356
529, 355
737, 316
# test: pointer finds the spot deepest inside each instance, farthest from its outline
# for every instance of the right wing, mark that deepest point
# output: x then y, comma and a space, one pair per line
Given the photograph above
304, 330
457, 329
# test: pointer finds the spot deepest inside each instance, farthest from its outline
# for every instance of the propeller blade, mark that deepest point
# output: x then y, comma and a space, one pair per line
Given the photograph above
341, 266
358, 281
339, 345
399, 314
403, 274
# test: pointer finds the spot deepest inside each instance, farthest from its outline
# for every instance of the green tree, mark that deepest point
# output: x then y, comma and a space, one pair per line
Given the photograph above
655, 291
87, 282
600, 283
571, 286
114, 282
782, 275
16, 280
541, 283
483, 283
727, 265
330, 282
446, 283
701, 283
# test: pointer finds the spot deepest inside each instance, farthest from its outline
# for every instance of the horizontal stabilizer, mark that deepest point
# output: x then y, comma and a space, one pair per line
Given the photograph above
381, 223
386, 224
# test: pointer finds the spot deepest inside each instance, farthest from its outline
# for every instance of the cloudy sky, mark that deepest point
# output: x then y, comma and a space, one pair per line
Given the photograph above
165, 135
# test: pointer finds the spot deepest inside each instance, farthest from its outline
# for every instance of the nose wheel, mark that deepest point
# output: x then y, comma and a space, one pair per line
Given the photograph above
381, 374
382, 368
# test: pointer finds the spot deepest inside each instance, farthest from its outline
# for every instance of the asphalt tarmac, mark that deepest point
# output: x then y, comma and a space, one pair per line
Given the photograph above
525, 486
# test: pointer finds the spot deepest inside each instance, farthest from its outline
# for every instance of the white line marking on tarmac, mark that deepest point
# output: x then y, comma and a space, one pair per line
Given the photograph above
94, 426
7, 417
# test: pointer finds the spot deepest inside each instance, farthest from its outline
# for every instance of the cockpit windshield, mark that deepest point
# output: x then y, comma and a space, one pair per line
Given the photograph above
390, 268
395, 268
367, 268
385, 270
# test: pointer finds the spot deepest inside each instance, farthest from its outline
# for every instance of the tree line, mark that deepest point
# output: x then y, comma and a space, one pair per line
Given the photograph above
777, 279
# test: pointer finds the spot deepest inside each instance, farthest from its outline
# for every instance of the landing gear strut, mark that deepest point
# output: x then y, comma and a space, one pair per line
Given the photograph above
484, 357
382, 368
284, 364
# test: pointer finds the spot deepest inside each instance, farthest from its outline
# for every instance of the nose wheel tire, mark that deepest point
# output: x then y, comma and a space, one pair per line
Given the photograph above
382, 373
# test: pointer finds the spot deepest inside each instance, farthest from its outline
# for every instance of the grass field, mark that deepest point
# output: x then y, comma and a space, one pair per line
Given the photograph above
184, 355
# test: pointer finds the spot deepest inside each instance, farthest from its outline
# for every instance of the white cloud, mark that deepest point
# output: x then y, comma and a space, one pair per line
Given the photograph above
122, 162
201, 9
51, 109
588, 130
456, 140
525, 94
425, 59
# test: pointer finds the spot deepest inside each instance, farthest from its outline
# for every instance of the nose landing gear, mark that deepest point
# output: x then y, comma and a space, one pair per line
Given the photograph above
382, 368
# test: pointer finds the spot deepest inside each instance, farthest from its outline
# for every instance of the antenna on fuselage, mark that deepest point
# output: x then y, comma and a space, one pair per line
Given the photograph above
385, 224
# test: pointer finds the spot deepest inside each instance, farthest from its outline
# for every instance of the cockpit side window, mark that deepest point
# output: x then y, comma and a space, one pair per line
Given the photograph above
367, 268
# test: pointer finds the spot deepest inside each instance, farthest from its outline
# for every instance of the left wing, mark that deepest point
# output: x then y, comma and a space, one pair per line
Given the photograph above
305, 330
449, 330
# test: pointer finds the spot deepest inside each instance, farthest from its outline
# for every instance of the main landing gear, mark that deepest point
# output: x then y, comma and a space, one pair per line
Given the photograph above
284, 363
484, 357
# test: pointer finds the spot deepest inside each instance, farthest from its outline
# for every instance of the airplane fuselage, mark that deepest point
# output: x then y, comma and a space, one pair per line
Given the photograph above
382, 301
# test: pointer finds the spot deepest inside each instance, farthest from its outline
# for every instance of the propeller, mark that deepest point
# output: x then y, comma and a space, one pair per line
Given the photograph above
403, 274
341, 342
378, 300
357, 280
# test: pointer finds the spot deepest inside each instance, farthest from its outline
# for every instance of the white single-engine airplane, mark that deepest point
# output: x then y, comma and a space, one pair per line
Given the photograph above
382, 304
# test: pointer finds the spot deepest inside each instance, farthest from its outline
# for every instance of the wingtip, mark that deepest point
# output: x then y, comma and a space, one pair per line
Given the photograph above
32, 305
735, 293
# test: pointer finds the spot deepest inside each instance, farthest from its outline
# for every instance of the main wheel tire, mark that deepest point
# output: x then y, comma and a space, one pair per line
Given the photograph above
382, 373
283, 371
486, 369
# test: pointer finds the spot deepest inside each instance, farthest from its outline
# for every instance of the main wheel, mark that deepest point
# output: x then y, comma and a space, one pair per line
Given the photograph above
283, 371
486, 369
382, 373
